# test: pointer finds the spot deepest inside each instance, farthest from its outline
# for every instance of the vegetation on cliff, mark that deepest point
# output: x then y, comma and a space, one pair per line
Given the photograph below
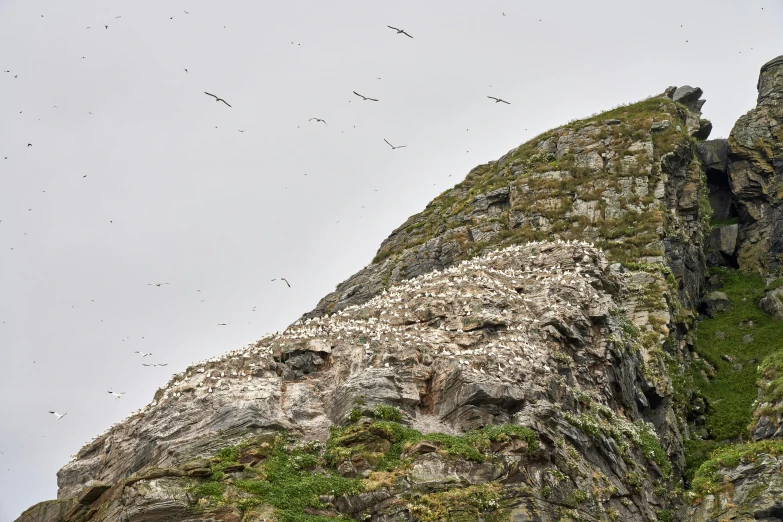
734, 343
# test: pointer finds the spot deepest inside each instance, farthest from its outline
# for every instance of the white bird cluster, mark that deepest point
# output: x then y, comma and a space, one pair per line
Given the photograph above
515, 292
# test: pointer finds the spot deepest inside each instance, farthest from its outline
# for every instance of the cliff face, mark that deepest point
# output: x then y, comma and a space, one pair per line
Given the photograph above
756, 172
520, 350
627, 180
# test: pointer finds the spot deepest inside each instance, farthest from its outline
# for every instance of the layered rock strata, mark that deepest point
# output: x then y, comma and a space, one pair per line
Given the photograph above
529, 336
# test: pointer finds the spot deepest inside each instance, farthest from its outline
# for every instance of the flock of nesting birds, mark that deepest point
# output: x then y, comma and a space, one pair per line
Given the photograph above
523, 276
218, 99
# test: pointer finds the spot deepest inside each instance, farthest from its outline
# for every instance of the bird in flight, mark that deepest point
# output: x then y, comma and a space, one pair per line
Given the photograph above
241, 130
29, 144
283, 279
185, 70
498, 100
117, 394
143, 354
106, 26
216, 98
317, 120
364, 98
155, 364
399, 31
392, 146
58, 415
157, 284
223, 324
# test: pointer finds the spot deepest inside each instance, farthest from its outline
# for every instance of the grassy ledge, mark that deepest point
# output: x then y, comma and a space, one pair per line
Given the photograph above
734, 342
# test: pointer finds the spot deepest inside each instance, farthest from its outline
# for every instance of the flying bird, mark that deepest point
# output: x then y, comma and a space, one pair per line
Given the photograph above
157, 284
392, 146
29, 144
498, 100
364, 98
185, 70
143, 354
106, 26
116, 394
223, 324
399, 31
216, 98
283, 279
317, 120
155, 364
58, 415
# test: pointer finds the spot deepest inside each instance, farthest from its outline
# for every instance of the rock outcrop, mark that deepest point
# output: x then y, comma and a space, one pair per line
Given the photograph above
529, 337
520, 350
628, 180
755, 166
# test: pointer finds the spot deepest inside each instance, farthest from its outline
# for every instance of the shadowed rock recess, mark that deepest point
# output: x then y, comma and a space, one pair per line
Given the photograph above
523, 349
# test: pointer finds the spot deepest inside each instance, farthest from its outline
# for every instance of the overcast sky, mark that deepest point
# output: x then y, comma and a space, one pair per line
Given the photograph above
175, 193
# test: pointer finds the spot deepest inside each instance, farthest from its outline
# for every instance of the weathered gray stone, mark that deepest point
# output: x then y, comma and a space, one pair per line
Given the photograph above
753, 491
772, 302
714, 302
722, 246
755, 166
714, 154
687, 94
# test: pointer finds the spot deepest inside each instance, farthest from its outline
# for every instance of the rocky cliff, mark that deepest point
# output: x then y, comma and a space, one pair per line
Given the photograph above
526, 348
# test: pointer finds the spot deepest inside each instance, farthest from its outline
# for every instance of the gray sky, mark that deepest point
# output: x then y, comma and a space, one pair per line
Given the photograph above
170, 198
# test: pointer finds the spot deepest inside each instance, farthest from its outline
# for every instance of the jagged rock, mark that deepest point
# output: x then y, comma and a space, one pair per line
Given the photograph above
714, 154
660, 125
687, 95
722, 246
728, 358
91, 492
544, 314
524, 199
460, 334
752, 490
433, 472
49, 511
704, 130
755, 166
772, 302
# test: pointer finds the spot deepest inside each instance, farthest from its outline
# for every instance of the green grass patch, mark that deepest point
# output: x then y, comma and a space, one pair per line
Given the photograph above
480, 502
625, 237
717, 223
771, 384
708, 478
382, 443
291, 482
731, 393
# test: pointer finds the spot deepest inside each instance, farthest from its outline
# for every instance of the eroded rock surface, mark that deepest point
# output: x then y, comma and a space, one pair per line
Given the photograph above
527, 336
627, 180
755, 165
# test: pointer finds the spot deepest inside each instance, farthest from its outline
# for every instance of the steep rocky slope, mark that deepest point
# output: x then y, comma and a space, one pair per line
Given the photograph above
523, 349
742, 481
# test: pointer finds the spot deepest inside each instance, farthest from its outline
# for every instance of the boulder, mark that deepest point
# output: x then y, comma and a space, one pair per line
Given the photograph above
687, 95
772, 302
722, 246
713, 154
714, 302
